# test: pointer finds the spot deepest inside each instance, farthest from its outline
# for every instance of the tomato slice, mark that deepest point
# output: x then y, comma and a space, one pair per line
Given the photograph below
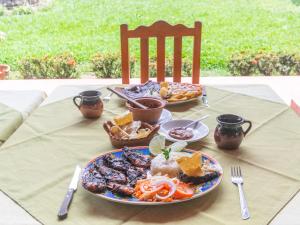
183, 191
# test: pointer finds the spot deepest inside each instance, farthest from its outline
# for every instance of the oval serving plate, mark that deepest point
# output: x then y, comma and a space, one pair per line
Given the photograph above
200, 190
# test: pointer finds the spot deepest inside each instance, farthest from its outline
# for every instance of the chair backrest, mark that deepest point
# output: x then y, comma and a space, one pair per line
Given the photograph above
161, 30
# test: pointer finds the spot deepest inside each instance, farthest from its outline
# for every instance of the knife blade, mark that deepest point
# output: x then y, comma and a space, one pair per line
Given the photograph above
63, 211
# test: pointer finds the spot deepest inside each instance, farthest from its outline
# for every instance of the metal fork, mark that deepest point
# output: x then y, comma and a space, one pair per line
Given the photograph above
107, 98
236, 178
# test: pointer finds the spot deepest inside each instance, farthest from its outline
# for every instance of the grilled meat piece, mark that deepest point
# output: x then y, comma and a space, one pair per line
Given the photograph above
93, 181
116, 163
120, 189
112, 175
134, 174
198, 180
136, 159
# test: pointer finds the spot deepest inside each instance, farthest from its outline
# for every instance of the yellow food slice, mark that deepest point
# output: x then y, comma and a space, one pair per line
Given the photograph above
164, 84
191, 166
163, 92
123, 119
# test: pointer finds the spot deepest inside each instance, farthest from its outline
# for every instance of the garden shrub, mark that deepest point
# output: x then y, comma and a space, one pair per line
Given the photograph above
106, 66
297, 64
22, 10
2, 10
187, 68
285, 64
266, 63
242, 64
109, 65
49, 67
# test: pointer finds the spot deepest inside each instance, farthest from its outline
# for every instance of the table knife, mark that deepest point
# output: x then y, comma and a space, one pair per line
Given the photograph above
63, 211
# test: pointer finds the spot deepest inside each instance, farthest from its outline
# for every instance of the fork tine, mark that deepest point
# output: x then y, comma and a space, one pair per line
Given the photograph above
231, 171
240, 171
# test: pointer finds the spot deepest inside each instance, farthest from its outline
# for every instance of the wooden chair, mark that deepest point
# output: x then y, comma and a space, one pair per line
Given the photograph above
161, 30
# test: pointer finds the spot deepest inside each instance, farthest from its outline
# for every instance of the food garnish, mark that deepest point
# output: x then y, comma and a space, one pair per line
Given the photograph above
165, 161
156, 144
191, 166
162, 188
194, 170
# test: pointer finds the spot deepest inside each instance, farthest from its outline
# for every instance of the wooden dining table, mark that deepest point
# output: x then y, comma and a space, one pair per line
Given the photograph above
38, 160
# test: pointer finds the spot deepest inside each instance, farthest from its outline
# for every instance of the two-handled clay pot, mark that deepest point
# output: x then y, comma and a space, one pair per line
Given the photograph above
229, 132
89, 103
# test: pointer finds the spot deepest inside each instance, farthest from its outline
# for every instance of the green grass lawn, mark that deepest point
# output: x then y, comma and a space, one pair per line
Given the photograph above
85, 27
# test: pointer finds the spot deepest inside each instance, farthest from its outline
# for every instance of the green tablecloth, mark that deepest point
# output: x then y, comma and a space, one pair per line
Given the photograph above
10, 120
37, 163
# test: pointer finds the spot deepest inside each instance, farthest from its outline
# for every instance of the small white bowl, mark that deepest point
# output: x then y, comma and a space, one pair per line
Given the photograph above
200, 131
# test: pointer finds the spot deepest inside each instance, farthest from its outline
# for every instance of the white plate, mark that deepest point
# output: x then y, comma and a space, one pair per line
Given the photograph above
200, 131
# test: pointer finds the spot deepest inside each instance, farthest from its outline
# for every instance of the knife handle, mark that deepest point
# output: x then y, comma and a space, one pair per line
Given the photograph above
63, 211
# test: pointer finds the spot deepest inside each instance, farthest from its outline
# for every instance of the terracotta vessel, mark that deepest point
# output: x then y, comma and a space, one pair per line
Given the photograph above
229, 132
90, 105
150, 115
4, 71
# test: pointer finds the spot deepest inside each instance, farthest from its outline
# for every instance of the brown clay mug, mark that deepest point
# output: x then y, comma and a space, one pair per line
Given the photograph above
229, 132
90, 104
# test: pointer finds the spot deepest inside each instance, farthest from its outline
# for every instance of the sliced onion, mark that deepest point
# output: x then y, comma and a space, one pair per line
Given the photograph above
155, 188
172, 188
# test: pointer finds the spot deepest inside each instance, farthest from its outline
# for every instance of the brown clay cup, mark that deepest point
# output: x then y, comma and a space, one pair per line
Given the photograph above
89, 104
150, 115
229, 132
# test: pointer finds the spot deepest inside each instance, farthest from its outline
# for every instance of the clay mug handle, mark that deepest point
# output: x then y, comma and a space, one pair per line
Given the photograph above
75, 102
249, 127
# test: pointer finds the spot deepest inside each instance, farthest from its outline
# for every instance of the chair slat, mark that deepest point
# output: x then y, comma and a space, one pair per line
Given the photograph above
144, 60
160, 59
177, 59
196, 53
161, 30
125, 54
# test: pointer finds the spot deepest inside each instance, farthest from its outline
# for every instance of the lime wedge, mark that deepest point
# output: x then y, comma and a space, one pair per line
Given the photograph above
178, 146
157, 144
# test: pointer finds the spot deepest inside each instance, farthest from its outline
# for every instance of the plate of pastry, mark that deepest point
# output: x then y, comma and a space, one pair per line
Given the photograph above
172, 92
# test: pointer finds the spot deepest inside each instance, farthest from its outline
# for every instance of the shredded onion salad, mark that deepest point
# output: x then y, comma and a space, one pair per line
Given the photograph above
162, 189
